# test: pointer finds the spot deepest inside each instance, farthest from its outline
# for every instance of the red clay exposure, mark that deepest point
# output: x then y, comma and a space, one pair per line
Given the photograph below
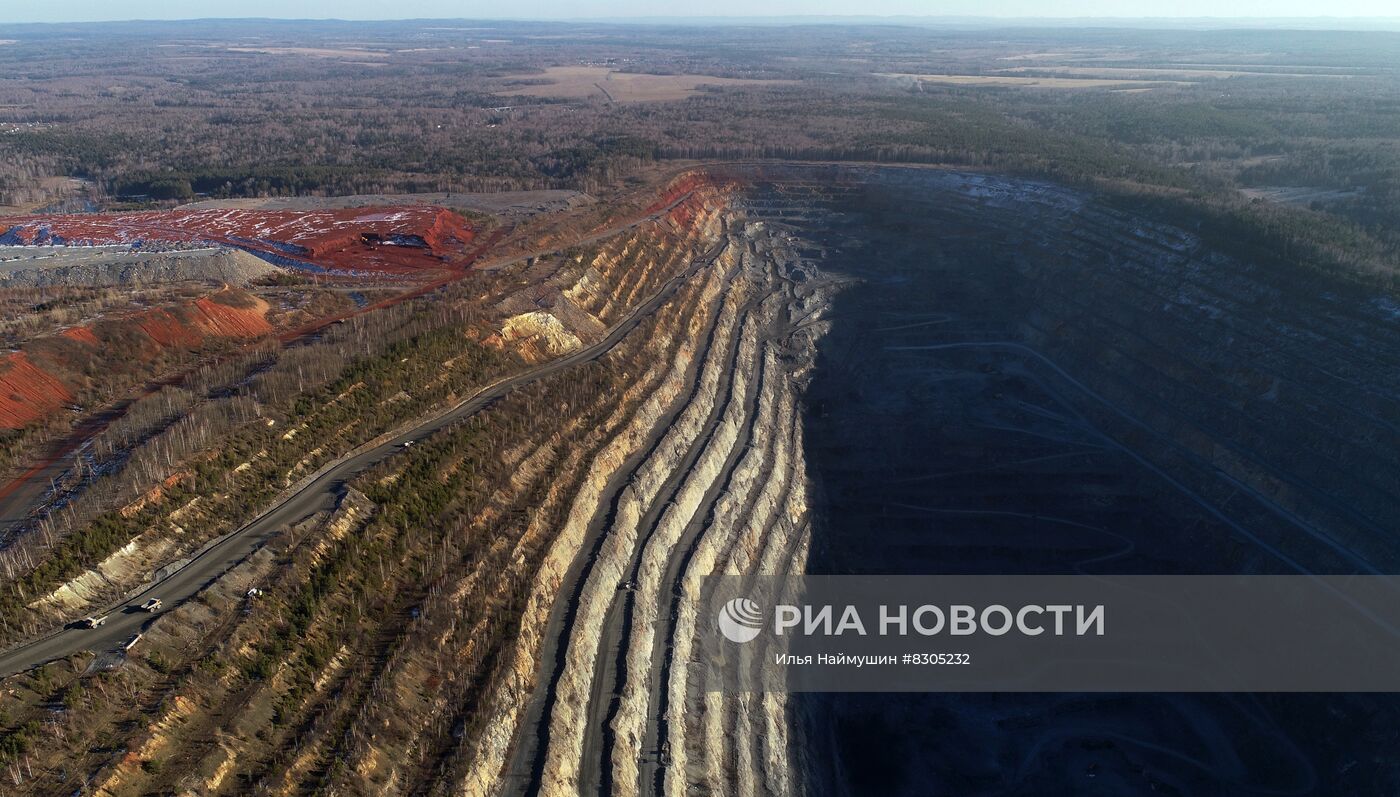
396, 240
37, 383
190, 324
26, 392
422, 241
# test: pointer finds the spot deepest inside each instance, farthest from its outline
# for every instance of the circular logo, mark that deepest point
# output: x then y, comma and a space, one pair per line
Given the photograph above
740, 620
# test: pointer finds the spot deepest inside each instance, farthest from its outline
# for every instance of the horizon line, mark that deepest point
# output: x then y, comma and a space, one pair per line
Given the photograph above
950, 18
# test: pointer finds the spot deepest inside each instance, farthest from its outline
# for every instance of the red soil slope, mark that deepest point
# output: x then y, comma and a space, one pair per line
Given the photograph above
27, 393
687, 194
227, 314
81, 334
215, 317
52, 371
393, 240
679, 187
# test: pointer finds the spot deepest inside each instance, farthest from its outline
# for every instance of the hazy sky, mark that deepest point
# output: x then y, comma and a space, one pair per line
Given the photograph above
77, 10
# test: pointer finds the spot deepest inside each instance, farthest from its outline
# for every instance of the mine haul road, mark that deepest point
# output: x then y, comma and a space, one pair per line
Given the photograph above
320, 493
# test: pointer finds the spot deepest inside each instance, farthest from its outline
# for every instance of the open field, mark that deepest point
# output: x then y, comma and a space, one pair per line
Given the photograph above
312, 51
1301, 195
1132, 73
1011, 81
580, 82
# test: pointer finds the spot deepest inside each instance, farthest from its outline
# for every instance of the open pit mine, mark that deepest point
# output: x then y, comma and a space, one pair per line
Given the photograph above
483, 582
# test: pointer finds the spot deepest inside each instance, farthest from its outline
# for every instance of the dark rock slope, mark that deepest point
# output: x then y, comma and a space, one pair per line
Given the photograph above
1026, 379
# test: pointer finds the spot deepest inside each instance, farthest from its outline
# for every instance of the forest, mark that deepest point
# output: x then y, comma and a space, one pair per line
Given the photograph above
1293, 131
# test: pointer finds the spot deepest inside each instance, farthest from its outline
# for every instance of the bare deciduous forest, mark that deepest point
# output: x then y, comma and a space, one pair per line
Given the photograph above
1302, 122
